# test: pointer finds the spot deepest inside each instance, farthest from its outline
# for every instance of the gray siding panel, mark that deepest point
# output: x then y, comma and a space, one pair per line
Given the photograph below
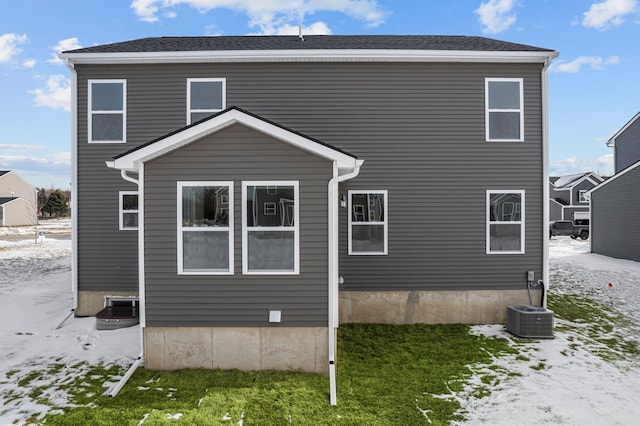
237, 300
420, 129
614, 214
627, 150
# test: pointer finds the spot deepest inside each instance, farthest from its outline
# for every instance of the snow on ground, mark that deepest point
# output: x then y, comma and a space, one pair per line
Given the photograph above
35, 290
562, 381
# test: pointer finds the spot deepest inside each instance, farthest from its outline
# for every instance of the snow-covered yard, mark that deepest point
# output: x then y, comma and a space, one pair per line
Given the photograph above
563, 381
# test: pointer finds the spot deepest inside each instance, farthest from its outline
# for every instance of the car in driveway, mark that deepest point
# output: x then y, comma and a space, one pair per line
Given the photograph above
567, 227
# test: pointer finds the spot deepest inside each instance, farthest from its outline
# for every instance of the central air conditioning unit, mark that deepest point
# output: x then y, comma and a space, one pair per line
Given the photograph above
530, 322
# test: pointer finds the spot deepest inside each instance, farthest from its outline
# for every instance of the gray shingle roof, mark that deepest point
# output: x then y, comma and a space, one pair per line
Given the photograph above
311, 42
4, 200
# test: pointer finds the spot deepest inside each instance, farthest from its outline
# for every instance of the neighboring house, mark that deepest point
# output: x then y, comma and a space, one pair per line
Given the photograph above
18, 200
569, 196
256, 191
615, 204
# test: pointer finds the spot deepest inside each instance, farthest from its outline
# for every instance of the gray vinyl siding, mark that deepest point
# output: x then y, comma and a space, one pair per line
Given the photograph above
627, 147
575, 192
555, 211
614, 217
420, 127
236, 154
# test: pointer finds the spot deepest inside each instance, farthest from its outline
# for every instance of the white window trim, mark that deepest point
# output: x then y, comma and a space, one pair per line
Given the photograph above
121, 210
90, 112
583, 196
521, 222
228, 229
295, 228
385, 223
213, 110
488, 110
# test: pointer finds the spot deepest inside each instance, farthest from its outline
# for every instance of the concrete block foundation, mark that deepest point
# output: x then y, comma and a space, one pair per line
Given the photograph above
431, 307
92, 302
243, 348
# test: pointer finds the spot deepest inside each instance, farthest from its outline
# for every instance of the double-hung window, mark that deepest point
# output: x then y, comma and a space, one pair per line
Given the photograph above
270, 233
107, 117
128, 210
205, 228
583, 196
368, 222
504, 113
205, 96
505, 222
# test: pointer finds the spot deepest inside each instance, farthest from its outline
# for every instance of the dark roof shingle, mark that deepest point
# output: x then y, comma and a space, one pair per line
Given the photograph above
311, 42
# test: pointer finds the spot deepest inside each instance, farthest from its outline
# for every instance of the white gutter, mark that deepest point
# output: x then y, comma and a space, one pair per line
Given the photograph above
545, 178
311, 55
333, 267
113, 391
74, 188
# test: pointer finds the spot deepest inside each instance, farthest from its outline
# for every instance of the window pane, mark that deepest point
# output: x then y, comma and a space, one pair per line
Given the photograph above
106, 97
504, 125
206, 95
367, 239
505, 207
205, 250
205, 206
270, 250
130, 220
197, 116
504, 237
129, 202
504, 95
367, 207
106, 127
270, 206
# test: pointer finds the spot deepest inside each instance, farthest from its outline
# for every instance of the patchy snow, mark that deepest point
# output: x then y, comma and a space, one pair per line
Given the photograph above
562, 381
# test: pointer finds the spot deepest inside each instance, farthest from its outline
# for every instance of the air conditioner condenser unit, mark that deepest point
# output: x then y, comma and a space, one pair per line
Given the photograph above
530, 322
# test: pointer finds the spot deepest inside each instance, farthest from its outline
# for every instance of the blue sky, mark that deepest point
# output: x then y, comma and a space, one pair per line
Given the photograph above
594, 87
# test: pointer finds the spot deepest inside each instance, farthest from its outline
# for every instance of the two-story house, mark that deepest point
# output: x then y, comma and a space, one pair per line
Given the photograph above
255, 192
18, 200
615, 204
569, 196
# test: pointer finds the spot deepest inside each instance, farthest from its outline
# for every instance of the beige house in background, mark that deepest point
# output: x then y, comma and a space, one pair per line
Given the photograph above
18, 200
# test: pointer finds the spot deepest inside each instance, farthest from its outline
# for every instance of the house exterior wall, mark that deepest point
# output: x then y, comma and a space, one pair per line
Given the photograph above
555, 211
627, 147
236, 154
614, 215
23, 212
420, 127
585, 185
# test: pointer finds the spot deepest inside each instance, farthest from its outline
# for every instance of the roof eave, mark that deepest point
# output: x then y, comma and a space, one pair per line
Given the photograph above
318, 55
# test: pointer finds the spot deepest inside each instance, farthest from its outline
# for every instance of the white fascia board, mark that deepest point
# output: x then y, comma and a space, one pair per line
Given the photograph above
612, 140
133, 160
317, 55
616, 176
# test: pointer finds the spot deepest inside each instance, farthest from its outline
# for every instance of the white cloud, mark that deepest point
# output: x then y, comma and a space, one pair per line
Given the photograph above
602, 165
66, 44
9, 46
269, 16
29, 63
595, 62
608, 14
317, 28
496, 16
56, 95
44, 169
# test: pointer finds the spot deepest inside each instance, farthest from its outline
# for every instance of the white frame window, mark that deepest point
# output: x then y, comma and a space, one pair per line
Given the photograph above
204, 110
201, 225
125, 210
504, 219
502, 107
583, 196
288, 214
106, 111
367, 216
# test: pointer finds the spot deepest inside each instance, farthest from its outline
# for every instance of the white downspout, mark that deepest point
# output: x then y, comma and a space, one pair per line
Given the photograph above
74, 188
113, 391
333, 268
545, 174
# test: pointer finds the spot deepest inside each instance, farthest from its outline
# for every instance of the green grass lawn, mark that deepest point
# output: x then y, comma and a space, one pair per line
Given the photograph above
386, 375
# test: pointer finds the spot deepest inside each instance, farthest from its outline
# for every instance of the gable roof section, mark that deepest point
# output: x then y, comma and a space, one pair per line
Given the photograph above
616, 176
5, 200
612, 140
312, 47
4, 172
131, 160
569, 181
